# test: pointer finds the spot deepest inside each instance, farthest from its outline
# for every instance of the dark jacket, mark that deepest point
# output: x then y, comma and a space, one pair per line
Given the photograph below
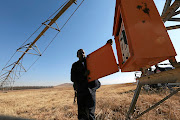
79, 78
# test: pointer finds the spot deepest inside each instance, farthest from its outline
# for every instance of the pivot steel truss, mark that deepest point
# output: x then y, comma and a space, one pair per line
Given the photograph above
44, 23
32, 48
8, 77
11, 74
169, 11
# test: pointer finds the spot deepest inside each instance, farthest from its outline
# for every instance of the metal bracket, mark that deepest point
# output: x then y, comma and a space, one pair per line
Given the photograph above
34, 47
51, 26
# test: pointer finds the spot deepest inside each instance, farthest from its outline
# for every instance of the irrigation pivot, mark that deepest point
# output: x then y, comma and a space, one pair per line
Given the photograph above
6, 78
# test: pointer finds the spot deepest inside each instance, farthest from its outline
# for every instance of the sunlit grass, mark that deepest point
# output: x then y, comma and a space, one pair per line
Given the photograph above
112, 103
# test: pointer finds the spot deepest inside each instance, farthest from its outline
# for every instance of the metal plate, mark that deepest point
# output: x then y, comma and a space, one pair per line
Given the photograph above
101, 63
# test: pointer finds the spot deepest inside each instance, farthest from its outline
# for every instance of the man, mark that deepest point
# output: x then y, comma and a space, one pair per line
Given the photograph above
86, 92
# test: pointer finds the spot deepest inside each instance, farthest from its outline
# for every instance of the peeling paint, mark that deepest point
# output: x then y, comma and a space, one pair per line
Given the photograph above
139, 7
144, 8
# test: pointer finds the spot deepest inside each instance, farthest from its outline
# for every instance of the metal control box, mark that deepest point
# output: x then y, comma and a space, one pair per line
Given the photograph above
140, 35
101, 63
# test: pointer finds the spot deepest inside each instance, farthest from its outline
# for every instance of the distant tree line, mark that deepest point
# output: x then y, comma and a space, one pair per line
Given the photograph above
25, 87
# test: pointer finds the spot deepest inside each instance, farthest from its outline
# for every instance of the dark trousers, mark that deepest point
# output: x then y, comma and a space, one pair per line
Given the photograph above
86, 105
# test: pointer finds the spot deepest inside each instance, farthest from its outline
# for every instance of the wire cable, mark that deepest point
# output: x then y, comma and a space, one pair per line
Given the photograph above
72, 15
59, 8
47, 19
54, 37
8, 62
33, 34
57, 34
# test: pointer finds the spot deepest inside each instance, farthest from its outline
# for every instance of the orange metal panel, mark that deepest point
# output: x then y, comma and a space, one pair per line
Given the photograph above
140, 35
101, 63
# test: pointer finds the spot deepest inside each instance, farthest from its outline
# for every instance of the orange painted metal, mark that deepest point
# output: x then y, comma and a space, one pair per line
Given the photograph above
101, 63
140, 35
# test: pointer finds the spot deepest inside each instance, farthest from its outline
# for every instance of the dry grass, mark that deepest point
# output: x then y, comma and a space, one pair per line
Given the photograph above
112, 104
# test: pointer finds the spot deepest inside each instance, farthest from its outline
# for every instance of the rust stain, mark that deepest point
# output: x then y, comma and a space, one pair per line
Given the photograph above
139, 7
144, 8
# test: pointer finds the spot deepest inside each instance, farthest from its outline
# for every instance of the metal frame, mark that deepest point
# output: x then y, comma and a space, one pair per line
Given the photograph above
4, 78
169, 12
158, 103
136, 95
171, 76
32, 45
51, 26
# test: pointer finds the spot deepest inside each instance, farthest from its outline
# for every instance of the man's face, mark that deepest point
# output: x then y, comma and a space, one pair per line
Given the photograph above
81, 55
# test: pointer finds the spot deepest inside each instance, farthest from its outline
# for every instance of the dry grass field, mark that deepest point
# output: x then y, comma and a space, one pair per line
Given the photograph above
112, 103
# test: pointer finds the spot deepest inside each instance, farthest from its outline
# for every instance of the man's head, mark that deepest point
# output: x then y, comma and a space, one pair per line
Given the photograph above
81, 54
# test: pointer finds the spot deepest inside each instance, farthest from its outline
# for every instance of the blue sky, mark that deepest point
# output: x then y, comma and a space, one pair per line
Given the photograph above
89, 29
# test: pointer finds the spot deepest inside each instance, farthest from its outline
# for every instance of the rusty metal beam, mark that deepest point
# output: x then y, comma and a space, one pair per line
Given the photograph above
170, 11
166, 6
173, 27
176, 13
174, 19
